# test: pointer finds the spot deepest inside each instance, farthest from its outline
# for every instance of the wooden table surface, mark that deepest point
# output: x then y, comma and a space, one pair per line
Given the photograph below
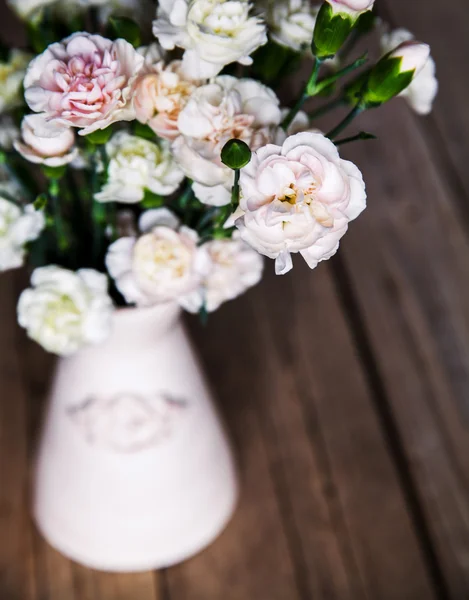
346, 391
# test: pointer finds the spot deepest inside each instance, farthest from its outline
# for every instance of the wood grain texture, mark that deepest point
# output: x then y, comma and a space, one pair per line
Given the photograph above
251, 559
411, 293
315, 371
17, 576
329, 413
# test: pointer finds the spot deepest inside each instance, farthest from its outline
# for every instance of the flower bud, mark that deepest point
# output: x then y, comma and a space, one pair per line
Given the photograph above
334, 22
413, 56
235, 154
330, 32
394, 72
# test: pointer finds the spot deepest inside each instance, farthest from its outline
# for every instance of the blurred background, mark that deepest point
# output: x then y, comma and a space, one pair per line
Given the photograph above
345, 389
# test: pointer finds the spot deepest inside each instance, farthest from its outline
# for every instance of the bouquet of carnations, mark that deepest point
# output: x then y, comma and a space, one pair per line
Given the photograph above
146, 157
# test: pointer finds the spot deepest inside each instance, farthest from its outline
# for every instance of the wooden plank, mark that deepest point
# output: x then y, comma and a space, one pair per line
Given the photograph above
54, 572
333, 476
407, 260
251, 559
17, 581
318, 398
118, 586
445, 26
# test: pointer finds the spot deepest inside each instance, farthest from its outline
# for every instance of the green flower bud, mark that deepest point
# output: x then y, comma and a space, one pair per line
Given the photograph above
331, 31
394, 72
235, 154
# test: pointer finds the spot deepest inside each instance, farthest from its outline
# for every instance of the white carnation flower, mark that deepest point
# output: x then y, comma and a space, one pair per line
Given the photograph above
298, 197
64, 310
161, 92
223, 109
234, 268
291, 22
422, 91
46, 143
137, 165
25, 8
214, 33
164, 264
18, 226
12, 73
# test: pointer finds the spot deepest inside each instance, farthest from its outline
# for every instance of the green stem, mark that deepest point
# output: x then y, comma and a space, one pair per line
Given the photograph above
206, 218
359, 108
59, 226
235, 190
327, 81
104, 157
363, 135
308, 91
186, 195
98, 211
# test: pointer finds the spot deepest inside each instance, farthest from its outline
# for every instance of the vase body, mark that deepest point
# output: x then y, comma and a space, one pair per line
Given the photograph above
133, 470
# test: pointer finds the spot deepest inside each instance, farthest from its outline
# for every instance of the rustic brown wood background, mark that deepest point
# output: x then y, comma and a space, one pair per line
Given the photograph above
346, 390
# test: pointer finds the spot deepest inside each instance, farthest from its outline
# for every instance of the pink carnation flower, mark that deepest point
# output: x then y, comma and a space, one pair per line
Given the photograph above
85, 81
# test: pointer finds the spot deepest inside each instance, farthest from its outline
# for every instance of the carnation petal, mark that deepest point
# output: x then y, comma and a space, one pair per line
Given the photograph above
283, 263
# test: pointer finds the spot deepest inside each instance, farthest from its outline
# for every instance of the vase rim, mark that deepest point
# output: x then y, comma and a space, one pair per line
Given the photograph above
158, 311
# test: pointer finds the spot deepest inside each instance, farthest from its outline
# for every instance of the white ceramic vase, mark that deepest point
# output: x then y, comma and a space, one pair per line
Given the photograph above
134, 471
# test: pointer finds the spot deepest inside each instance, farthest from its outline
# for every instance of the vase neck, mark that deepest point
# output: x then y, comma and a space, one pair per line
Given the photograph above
144, 324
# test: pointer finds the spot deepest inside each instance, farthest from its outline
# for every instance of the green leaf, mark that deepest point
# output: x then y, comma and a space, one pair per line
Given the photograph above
273, 60
186, 196
223, 234
235, 154
4, 53
366, 22
144, 131
152, 200
100, 136
54, 172
354, 90
41, 202
127, 29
